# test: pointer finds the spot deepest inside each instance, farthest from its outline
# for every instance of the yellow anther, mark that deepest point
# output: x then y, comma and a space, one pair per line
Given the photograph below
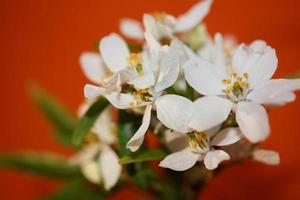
234, 74
226, 81
246, 75
198, 141
239, 79
135, 59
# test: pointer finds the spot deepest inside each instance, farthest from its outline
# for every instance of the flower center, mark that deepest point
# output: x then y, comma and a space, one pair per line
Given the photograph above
198, 142
141, 95
135, 61
237, 87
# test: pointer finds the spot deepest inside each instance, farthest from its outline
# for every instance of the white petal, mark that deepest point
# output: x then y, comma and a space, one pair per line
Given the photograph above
253, 121
120, 100
209, 111
168, 70
110, 167
219, 58
104, 126
152, 43
193, 16
149, 23
275, 92
213, 158
180, 161
91, 91
266, 156
114, 51
93, 67
258, 46
85, 155
144, 81
132, 29
137, 139
91, 171
263, 69
174, 112
175, 141
204, 77
226, 137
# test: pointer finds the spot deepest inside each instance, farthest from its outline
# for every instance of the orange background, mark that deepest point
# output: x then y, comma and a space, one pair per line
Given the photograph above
42, 40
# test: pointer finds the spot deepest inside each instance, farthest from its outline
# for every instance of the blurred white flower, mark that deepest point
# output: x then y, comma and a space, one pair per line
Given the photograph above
241, 86
97, 160
162, 25
175, 112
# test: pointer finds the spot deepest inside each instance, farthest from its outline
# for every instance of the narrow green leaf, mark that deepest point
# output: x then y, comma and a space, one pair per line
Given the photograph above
128, 124
147, 155
58, 115
88, 120
77, 190
43, 164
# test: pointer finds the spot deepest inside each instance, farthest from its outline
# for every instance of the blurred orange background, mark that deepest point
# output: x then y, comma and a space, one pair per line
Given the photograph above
42, 40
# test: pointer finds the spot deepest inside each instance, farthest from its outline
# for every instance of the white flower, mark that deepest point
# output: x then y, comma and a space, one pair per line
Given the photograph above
108, 71
175, 112
157, 70
240, 87
97, 160
162, 25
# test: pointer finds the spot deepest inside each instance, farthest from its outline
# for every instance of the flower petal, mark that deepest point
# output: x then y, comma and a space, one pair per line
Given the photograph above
258, 46
91, 171
193, 16
226, 137
168, 70
114, 51
213, 158
85, 155
144, 81
120, 100
174, 112
209, 111
93, 67
263, 69
253, 121
204, 77
181, 160
219, 58
275, 92
132, 29
137, 139
110, 167
266, 156
104, 126
91, 91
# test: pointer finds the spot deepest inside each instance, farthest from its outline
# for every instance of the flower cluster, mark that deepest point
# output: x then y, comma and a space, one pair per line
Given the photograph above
211, 94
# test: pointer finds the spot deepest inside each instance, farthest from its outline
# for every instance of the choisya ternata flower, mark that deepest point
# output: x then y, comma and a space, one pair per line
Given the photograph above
98, 162
175, 112
162, 25
156, 70
242, 86
108, 70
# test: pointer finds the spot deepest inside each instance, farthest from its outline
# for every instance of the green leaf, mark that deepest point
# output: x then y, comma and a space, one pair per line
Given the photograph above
77, 190
146, 155
128, 123
58, 115
43, 164
88, 120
